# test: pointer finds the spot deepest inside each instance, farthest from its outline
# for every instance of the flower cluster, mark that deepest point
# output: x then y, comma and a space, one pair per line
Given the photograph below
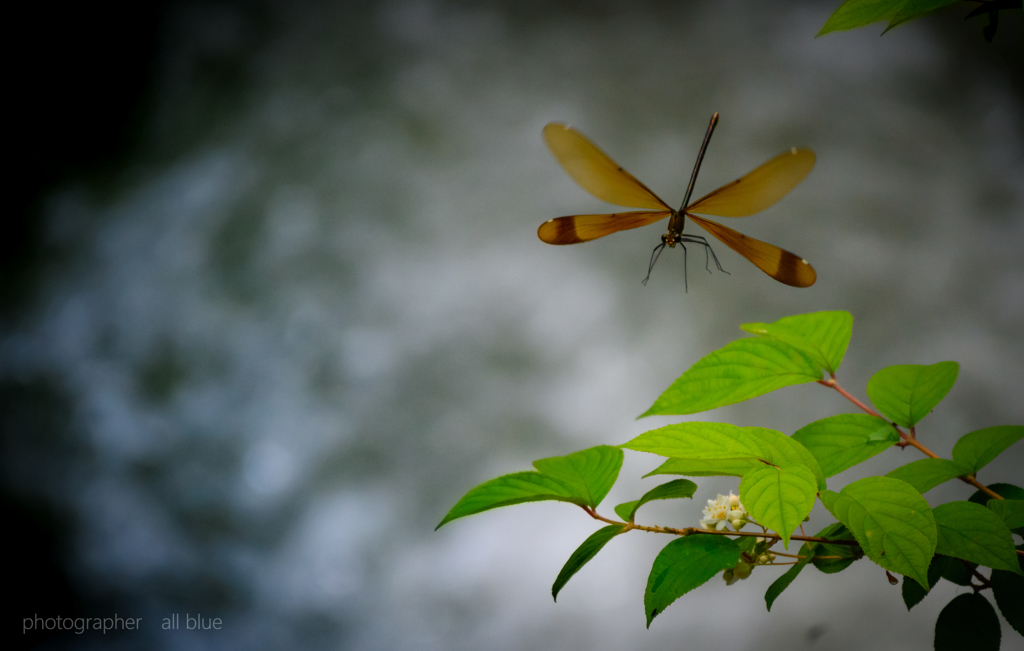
727, 509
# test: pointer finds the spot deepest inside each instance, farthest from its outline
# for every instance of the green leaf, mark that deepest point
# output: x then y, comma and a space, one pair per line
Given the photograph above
977, 449
685, 564
582, 478
674, 489
824, 336
823, 551
781, 583
913, 9
842, 441
967, 622
1011, 512
626, 509
1006, 491
858, 13
739, 449
702, 467
739, 371
1008, 589
914, 592
779, 498
973, 533
926, 474
891, 521
592, 471
955, 570
828, 498
907, 393
589, 549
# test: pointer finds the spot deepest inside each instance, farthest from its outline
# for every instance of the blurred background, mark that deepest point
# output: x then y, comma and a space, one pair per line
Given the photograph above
273, 301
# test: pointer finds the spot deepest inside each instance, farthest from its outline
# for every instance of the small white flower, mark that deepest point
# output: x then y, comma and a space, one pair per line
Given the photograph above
724, 511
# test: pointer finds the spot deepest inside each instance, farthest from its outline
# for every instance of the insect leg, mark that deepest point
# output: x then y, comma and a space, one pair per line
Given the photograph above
654, 258
698, 239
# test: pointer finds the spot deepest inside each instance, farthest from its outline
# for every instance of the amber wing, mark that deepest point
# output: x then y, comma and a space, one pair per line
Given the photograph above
759, 189
595, 171
778, 263
583, 228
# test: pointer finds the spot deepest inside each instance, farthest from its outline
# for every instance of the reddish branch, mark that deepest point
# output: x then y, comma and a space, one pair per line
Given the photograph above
908, 439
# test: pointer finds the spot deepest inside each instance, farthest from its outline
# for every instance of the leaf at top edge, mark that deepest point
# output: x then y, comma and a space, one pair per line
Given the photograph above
913, 9
684, 564
858, 13
907, 393
976, 449
581, 478
675, 489
779, 498
1011, 512
740, 370
926, 474
824, 336
967, 622
973, 533
892, 523
588, 550
783, 582
842, 441
914, 592
593, 471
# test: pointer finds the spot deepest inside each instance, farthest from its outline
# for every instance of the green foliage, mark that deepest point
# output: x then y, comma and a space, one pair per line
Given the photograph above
883, 518
1011, 512
977, 449
973, 533
593, 544
858, 13
1007, 492
582, 478
926, 474
685, 564
955, 570
907, 393
825, 555
891, 521
824, 336
783, 582
779, 498
740, 371
674, 489
734, 450
914, 592
702, 467
967, 622
1008, 589
842, 441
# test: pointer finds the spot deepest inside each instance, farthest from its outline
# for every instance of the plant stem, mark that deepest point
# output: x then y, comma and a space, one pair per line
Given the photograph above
689, 531
908, 439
